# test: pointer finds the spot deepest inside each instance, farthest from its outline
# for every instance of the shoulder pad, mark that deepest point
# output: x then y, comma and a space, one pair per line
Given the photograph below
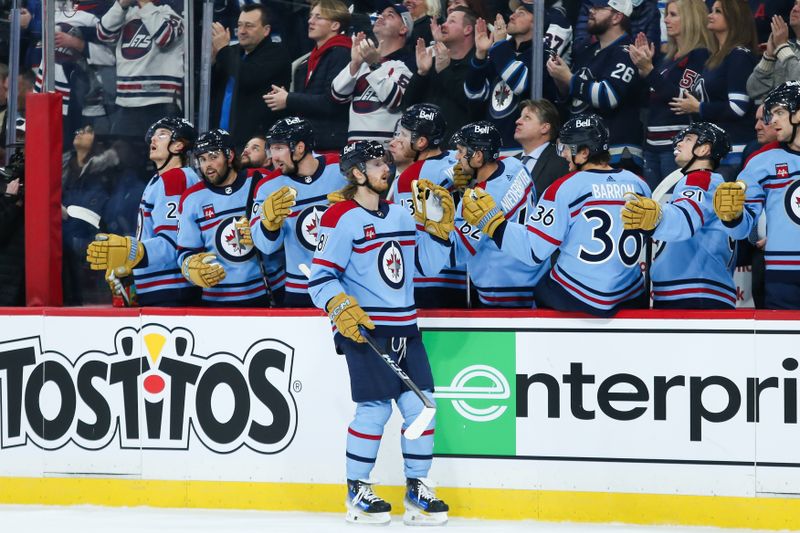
335, 212
699, 178
174, 181
331, 159
407, 176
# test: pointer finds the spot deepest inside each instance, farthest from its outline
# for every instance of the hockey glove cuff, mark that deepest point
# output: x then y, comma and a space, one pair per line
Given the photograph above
347, 315
277, 207
110, 251
479, 209
640, 213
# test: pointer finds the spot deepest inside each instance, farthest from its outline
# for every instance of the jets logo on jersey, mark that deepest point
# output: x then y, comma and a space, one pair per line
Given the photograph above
391, 265
307, 227
229, 244
63, 53
792, 202
502, 98
136, 40
577, 105
208, 212
782, 170
369, 232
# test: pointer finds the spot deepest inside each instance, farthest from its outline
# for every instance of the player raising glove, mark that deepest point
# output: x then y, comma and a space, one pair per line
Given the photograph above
243, 232
277, 207
479, 209
345, 312
460, 178
109, 251
729, 200
640, 212
435, 209
203, 270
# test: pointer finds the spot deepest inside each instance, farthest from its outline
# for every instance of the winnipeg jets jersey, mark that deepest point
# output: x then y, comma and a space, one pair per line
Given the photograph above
299, 232
772, 176
500, 279
695, 258
158, 280
275, 263
149, 52
368, 255
446, 287
207, 215
580, 215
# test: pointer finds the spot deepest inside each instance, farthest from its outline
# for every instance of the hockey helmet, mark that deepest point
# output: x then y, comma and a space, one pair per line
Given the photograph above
786, 95
707, 132
356, 155
480, 136
290, 131
585, 130
181, 129
214, 140
425, 120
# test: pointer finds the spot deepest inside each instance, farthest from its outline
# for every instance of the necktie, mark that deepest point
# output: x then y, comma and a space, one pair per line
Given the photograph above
526, 162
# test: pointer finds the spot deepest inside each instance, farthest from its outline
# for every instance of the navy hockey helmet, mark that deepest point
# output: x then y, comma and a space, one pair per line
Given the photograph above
214, 140
707, 133
786, 95
480, 136
290, 131
585, 131
356, 155
181, 129
425, 120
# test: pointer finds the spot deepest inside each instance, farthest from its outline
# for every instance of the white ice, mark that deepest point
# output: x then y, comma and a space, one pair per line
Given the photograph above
90, 519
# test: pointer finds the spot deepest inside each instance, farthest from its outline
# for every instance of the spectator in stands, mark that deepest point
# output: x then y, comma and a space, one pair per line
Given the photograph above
12, 244
245, 71
30, 23
255, 154
444, 66
720, 95
688, 47
645, 17
476, 6
764, 12
603, 80
424, 13
150, 62
537, 130
311, 98
781, 59
376, 77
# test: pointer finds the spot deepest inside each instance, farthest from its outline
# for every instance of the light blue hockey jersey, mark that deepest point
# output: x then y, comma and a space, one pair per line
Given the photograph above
368, 255
500, 279
207, 217
696, 257
299, 232
772, 175
158, 281
579, 214
275, 263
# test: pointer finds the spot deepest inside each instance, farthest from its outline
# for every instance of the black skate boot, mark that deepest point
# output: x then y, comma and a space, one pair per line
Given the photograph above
422, 506
364, 506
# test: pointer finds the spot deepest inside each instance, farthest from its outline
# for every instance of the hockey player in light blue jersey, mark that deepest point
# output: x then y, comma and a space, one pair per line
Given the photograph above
211, 246
154, 250
597, 271
420, 137
361, 275
694, 262
300, 185
771, 177
500, 279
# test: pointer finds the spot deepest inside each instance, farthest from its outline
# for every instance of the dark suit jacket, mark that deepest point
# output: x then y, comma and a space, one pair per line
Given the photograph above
548, 168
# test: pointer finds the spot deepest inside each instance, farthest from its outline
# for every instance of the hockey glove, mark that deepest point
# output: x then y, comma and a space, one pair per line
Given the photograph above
479, 209
640, 212
335, 197
460, 178
203, 270
115, 252
347, 315
243, 232
277, 207
729, 200
435, 209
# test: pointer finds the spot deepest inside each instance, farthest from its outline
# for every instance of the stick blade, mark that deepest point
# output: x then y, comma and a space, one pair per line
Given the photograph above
420, 424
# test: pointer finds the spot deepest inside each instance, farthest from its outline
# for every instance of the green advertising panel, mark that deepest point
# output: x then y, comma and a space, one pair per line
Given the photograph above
474, 373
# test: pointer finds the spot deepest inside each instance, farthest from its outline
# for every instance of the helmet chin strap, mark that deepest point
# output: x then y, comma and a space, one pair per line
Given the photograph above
363, 168
166, 162
695, 157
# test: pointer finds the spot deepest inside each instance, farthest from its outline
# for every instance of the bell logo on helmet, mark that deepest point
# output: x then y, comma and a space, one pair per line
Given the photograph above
349, 148
481, 129
293, 120
583, 123
426, 115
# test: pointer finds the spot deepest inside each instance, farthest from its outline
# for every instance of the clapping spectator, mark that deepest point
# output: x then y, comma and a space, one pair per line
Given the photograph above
476, 6
424, 13
764, 11
688, 45
720, 95
781, 59
243, 72
645, 17
313, 77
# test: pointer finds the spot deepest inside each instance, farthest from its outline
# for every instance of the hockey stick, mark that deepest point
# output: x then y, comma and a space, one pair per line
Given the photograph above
247, 212
423, 420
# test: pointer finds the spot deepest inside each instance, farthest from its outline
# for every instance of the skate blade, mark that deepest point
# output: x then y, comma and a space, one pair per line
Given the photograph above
415, 516
357, 516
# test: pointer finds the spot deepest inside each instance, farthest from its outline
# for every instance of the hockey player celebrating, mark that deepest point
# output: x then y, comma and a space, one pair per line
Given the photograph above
359, 276
597, 271
420, 137
153, 251
208, 231
292, 200
501, 280
693, 268
769, 182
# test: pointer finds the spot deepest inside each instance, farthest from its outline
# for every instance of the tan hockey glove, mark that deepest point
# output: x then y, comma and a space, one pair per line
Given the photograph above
203, 270
479, 209
345, 312
110, 251
460, 178
243, 232
729, 200
435, 208
277, 207
640, 212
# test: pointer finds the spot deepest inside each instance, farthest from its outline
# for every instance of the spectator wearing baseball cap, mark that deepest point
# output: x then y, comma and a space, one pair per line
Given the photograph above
642, 16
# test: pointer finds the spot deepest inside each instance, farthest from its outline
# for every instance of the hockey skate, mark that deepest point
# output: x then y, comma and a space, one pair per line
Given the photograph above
364, 506
422, 506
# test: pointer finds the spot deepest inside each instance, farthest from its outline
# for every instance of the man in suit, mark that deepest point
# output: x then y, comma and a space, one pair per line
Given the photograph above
536, 131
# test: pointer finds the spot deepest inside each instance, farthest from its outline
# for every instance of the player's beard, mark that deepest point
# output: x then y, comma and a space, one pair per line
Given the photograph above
218, 178
288, 168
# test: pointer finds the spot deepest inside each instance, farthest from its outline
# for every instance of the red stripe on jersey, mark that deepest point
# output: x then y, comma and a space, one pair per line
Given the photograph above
550, 192
778, 185
470, 249
544, 236
158, 283
363, 435
292, 285
407, 176
519, 204
403, 318
165, 228
508, 298
695, 207
766, 147
209, 226
367, 248
323, 262
441, 280
598, 301
678, 292
782, 262
237, 293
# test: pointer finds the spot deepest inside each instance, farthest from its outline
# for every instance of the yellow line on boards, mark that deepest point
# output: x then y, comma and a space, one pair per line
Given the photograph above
497, 504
